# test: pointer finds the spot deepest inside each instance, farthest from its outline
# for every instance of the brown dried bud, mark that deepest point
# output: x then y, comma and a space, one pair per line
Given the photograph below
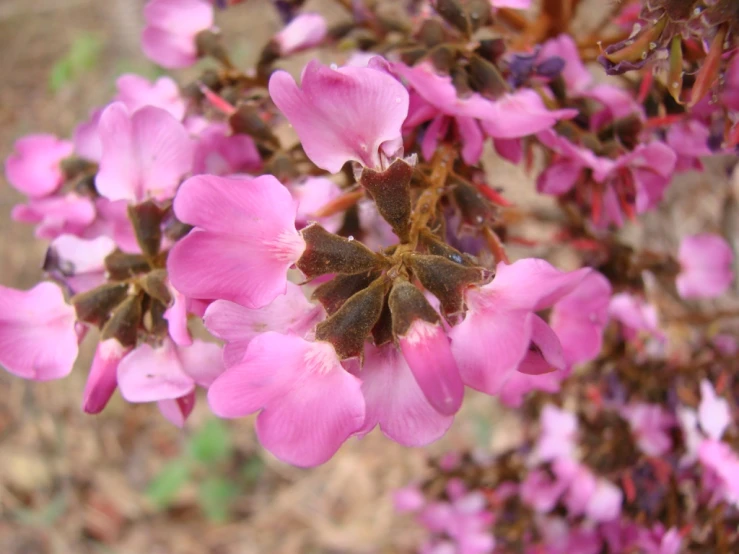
382, 332
349, 327
434, 246
479, 12
491, 49
474, 209
209, 44
486, 78
153, 320
391, 191
627, 129
445, 279
123, 325
338, 290
452, 11
246, 121
73, 167
407, 304
443, 58
155, 285
409, 56
431, 33
146, 220
329, 253
94, 306
122, 266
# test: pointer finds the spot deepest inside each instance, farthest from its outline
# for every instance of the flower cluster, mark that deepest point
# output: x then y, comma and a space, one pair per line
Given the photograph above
358, 275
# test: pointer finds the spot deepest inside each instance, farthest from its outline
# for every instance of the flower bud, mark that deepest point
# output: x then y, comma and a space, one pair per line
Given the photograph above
146, 220
348, 328
486, 78
390, 189
445, 279
329, 253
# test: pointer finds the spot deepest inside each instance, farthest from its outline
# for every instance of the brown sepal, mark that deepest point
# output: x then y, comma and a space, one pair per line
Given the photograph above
155, 285
452, 11
491, 49
431, 33
445, 279
410, 56
486, 78
473, 207
146, 220
407, 304
120, 265
94, 306
246, 121
349, 327
329, 253
434, 246
443, 57
391, 191
480, 13
338, 290
382, 332
123, 325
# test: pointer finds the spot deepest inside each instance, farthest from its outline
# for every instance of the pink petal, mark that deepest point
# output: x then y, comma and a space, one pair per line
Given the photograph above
714, 414
87, 139
509, 149
290, 313
37, 332
350, 113
244, 243
619, 103
57, 215
311, 405
575, 75
312, 195
513, 4
472, 139
436, 131
706, 262
580, 318
426, 349
176, 317
396, 402
520, 114
549, 355
305, 31
102, 381
219, 153
148, 374
144, 153
80, 263
169, 37
178, 410
519, 385
560, 177
34, 167
136, 92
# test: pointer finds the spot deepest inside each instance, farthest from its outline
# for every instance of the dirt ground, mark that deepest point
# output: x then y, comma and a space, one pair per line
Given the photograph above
71, 483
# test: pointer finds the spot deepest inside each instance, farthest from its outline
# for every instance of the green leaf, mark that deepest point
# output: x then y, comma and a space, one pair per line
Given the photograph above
82, 56
215, 496
252, 470
165, 486
211, 443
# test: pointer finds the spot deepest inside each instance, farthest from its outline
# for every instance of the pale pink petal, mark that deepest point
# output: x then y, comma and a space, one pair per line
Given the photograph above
86, 138
34, 167
102, 381
305, 31
237, 325
136, 92
244, 242
541, 492
408, 499
635, 314
560, 177
395, 402
178, 410
714, 414
519, 385
605, 502
620, 103
558, 435
548, 355
350, 113
80, 263
202, 361
57, 215
148, 374
144, 153
37, 332
172, 25
513, 4
176, 316
219, 153
312, 195
426, 349
520, 114
651, 425
706, 262
580, 318
472, 139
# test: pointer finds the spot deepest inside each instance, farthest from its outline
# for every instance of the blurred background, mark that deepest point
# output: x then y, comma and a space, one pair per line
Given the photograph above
127, 481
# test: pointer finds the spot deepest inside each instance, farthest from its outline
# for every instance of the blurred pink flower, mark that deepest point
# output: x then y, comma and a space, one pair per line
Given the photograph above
705, 262
171, 29
137, 92
34, 167
305, 31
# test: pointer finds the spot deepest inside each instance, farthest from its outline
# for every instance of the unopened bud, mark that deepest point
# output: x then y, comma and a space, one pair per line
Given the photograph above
338, 290
445, 279
486, 78
146, 220
431, 33
328, 253
391, 191
407, 304
155, 285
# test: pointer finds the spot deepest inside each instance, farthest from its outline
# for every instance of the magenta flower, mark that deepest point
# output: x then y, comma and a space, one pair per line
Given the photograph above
70, 214
219, 153
344, 114
243, 243
706, 262
290, 313
309, 404
520, 114
312, 194
144, 154
394, 400
305, 31
689, 139
500, 319
34, 168
137, 92
172, 26
38, 339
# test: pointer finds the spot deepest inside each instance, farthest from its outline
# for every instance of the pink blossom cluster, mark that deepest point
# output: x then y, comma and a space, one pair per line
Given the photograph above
359, 277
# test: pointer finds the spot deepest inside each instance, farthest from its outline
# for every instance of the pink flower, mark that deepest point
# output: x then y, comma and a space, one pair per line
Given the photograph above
349, 113
636, 316
168, 372
34, 168
243, 243
714, 414
408, 499
651, 425
706, 262
312, 194
500, 319
594, 497
394, 400
136, 92
309, 404
723, 464
102, 380
520, 114
290, 313
171, 29
86, 138
689, 140
144, 153
70, 214
219, 153
37, 332
557, 435
513, 4
305, 31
